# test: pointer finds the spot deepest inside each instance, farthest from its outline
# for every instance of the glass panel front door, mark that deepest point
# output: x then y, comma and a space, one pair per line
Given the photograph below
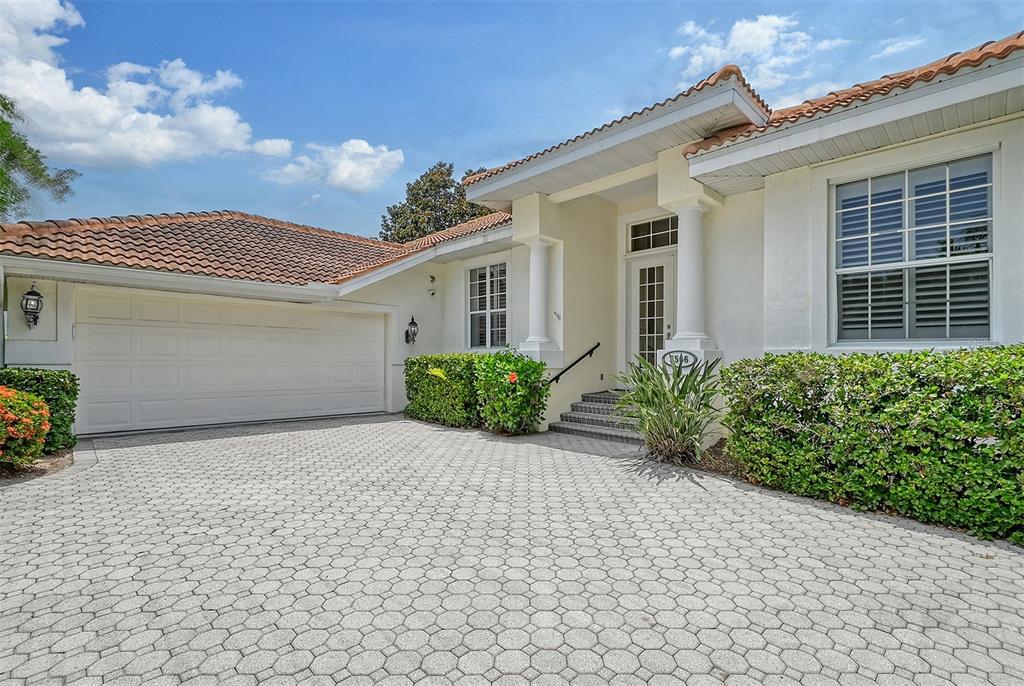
652, 286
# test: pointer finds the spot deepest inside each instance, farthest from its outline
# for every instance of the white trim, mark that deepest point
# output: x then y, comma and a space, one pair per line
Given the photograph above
907, 166
622, 266
899, 104
486, 263
695, 104
500, 232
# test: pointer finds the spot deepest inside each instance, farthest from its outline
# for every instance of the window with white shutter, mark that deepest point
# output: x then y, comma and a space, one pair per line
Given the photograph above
488, 302
913, 254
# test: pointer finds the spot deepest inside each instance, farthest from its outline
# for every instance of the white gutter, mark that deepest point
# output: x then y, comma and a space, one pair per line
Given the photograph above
166, 281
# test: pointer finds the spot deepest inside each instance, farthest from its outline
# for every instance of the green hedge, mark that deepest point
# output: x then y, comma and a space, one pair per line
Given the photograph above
937, 436
504, 392
446, 396
59, 389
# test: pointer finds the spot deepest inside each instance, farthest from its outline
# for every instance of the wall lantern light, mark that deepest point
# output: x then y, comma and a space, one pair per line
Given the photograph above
32, 305
411, 331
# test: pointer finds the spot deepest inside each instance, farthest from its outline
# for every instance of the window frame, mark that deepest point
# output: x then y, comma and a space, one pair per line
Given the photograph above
488, 264
906, 265
672, 232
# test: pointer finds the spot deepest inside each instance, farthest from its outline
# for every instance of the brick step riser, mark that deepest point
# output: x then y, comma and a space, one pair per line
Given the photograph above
592, 408
623, 423
596, 432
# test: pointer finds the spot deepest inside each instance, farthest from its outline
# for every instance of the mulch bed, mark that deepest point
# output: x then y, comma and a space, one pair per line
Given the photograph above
47, 464
716, 460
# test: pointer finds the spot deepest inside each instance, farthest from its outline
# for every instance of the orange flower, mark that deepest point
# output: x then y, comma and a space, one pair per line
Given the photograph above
513, 377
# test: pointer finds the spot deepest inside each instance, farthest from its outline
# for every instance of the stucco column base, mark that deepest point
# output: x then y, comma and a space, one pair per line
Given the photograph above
701, 347
545, 351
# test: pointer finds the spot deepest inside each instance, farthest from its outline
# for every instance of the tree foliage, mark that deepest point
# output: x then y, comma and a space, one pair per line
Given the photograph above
433, 202
23, 169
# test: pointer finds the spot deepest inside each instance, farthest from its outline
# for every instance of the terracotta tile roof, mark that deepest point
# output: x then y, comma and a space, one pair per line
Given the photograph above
488, 221
730, 71
862, 92
478, 225
226, 244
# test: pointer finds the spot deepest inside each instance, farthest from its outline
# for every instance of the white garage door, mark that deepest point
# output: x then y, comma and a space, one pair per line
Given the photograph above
149, 360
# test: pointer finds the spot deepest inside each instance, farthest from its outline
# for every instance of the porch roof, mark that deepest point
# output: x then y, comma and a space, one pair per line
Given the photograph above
721, 101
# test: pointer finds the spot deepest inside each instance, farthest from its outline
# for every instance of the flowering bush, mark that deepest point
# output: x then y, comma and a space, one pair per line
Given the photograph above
24, 422
59, 390
512, 392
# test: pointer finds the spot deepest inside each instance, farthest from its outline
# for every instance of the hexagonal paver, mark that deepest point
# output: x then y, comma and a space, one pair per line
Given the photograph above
378, 550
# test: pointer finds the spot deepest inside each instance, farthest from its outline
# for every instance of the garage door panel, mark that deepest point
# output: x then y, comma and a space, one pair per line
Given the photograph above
152, 361
156, 310
104, 306
202, 344
106, 415
156, 378
158, 412
201, 313
158, 341
104, 341
242, 345
104, 376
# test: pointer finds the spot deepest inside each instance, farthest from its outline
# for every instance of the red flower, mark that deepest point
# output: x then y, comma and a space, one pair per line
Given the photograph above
513, 377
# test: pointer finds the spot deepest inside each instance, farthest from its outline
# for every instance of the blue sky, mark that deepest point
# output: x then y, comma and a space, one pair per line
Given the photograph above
320, 112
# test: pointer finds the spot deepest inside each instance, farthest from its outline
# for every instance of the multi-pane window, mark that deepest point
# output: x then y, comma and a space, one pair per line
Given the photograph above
913, 253
658, 233
488, 327
651, 317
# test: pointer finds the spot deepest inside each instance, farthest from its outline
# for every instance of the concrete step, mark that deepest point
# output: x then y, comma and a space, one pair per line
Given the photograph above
595, 419
590, 431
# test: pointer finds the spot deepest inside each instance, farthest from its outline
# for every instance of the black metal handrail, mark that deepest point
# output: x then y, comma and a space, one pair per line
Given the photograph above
556, 377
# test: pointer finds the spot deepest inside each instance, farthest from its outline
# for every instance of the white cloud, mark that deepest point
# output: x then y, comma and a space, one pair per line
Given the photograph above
894, 46
355, 165
832, 43
311, 200
770, 49
142, 115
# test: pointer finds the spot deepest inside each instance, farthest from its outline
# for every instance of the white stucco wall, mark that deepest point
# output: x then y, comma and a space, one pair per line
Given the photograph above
409, 292
798, 284
734, 269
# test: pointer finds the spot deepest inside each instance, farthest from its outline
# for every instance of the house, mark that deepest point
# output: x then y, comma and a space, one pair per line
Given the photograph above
888, 215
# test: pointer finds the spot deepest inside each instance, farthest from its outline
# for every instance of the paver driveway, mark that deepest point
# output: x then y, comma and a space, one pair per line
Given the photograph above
386, 551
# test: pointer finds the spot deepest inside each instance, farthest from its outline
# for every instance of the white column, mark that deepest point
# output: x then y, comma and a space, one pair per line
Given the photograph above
538, 338
690, 274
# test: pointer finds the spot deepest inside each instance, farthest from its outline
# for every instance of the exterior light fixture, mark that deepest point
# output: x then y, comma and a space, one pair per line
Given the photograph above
411, 331
32, 305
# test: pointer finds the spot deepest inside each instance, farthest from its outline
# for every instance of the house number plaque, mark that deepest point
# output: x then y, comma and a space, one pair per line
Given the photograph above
683, 359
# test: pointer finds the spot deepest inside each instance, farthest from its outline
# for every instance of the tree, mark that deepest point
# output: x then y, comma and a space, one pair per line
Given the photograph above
433, 202
23, 169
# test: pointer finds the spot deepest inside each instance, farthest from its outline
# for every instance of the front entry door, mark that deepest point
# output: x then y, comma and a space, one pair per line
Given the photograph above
652, 305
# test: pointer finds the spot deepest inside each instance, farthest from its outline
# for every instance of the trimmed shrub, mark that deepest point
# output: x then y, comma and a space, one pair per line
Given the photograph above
24, 421
442, 389
674, 409
59, 389
937, 436
513, 392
